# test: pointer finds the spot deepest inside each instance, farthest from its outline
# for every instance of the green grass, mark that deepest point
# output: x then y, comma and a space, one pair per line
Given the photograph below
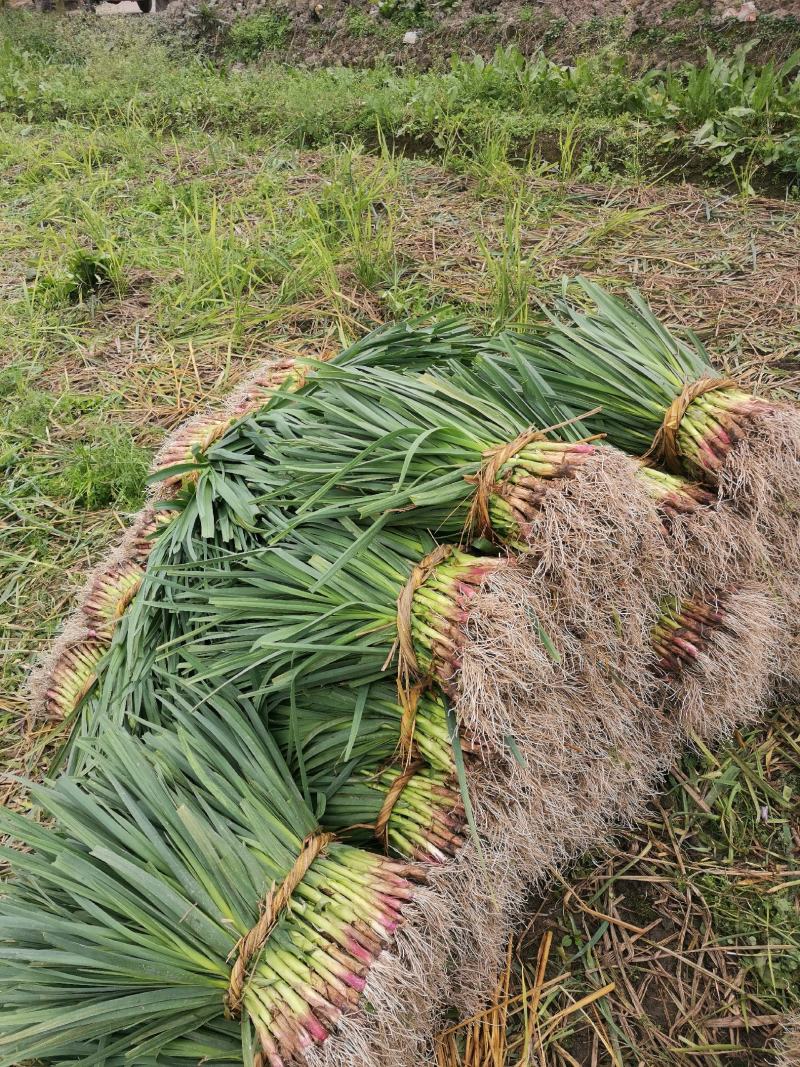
252, 36
168, 224
700, 118
111, 470
361, 24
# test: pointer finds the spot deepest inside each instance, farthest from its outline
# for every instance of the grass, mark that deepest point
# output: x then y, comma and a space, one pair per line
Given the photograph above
701, 118
168, 225
249, 37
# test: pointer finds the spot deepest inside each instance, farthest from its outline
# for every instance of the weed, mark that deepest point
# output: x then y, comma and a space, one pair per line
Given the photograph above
361, 24
88, 272
250, 37
734, 109
509, 269
209, 25
111, 470
555, 28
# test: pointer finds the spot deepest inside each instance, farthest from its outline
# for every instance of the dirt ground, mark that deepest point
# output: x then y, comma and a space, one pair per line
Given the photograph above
127, 7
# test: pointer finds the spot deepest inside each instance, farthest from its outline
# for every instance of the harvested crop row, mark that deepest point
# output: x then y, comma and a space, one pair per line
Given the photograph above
400, 632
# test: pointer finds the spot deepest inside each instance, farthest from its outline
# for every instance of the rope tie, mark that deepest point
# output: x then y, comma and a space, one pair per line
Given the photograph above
664, 449
394, 793
298, 376
275, 903
407, 664
479, 523
410, 685
409, 701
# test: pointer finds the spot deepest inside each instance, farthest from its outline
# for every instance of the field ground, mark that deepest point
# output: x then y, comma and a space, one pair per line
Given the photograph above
147, 265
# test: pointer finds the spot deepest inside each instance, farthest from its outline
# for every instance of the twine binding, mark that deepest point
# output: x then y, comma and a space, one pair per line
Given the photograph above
381, 829
409, 683
664, 450
407, 664
478, 522
409, 701
275, 903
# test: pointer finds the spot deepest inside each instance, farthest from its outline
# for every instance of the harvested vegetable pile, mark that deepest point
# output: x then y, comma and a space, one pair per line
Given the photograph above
398, 633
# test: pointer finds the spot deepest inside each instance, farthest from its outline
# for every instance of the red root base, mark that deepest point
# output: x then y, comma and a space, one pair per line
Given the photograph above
403, 994
82, 625
196, 435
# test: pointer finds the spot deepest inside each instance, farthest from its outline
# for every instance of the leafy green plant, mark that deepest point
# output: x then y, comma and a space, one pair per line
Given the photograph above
732, 108
122, 928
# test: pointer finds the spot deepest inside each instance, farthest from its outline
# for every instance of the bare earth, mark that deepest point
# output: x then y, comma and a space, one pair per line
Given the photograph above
127, 7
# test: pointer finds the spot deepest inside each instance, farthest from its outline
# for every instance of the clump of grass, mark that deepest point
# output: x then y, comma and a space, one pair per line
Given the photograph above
250, 37
25, 408
356, 212
86, 274
109, 471
509, 268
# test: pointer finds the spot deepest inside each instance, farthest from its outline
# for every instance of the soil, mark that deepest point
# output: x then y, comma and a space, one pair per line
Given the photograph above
424, 33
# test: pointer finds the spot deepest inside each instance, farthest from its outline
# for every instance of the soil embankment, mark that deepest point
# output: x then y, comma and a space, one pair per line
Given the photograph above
422, 33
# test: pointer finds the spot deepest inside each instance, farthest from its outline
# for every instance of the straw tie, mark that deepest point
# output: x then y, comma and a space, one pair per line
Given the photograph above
479, 523
396, 789
409, 701
127, 597
664, 449
276, 901
407, 664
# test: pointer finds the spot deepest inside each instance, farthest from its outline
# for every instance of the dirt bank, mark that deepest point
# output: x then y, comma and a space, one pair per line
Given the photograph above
420, 33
